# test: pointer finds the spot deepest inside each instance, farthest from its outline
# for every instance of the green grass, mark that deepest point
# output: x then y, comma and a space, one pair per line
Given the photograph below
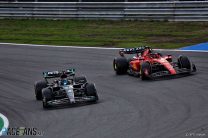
103, 33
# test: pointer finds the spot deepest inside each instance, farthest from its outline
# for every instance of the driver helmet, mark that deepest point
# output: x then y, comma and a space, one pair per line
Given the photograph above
64, 80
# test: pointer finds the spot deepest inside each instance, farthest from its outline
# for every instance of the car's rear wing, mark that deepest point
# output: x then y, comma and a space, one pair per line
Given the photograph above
55, 74
133, 50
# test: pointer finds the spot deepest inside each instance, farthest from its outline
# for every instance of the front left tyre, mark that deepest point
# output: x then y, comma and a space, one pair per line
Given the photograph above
39, 85
47, 96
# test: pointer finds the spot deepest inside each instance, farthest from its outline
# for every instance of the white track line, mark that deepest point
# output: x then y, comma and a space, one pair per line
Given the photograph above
6, 122
56, 46
84, 47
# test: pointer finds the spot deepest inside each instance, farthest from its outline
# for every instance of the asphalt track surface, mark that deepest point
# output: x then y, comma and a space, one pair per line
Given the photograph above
128, 107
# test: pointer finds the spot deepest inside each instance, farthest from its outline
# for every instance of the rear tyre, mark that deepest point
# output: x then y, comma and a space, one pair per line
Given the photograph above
120, 65
145, 70
39, 85
81, 79
91, 91
47, 96
184, 62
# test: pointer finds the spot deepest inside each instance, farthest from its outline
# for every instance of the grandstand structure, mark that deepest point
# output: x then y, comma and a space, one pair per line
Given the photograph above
166, 10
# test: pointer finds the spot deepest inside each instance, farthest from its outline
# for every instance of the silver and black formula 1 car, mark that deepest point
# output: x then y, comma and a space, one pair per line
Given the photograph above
59, 87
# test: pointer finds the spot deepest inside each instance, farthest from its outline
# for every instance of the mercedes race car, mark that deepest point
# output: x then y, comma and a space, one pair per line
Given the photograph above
148, 64
59, 87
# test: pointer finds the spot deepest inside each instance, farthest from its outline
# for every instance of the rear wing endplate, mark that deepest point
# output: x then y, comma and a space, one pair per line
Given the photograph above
132, 50
55, 74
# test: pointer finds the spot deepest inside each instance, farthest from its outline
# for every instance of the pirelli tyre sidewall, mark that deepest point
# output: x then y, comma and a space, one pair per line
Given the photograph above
193, 67
47, 96
120, 65
184, 62
38, 86
145, 71
91, 91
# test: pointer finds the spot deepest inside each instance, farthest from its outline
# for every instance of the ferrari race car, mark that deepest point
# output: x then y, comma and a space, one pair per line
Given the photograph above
59, 87
148, 64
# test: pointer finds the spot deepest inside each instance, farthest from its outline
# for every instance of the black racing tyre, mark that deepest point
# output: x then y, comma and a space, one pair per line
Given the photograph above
80, 79
91, 91
39, 85
47, 96
145, 70
193, 67
184, 62
120, 65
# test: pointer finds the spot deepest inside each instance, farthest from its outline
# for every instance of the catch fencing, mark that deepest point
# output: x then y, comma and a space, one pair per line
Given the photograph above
166, 11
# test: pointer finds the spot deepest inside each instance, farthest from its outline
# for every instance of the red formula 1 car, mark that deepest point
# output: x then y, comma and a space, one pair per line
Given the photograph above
148, 64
